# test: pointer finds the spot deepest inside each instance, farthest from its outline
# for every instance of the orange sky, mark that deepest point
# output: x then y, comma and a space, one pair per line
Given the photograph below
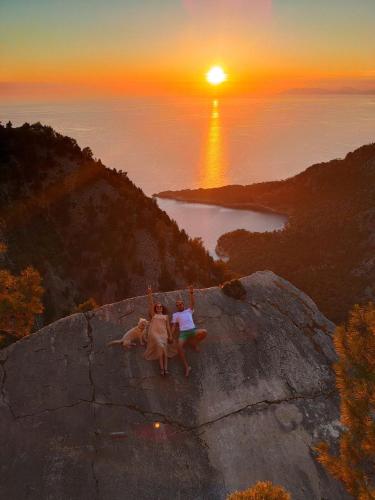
153, 47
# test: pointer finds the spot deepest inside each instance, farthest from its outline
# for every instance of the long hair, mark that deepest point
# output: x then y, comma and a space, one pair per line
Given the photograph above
163, 308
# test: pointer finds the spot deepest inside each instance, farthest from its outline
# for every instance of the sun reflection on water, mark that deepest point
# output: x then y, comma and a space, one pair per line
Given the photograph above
214, 168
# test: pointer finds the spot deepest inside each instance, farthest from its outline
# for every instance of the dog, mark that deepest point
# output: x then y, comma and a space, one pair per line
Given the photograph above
136, 333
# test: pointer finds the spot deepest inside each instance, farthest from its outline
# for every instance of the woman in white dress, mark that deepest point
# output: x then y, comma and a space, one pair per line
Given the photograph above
160, 343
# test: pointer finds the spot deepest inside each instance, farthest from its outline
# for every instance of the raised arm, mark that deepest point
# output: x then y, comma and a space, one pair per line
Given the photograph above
150, 301
191, 294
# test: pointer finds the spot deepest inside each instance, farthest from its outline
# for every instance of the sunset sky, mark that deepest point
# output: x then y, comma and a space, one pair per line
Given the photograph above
167, 46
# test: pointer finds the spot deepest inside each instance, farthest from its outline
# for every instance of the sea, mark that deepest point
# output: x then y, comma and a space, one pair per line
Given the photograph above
186, 143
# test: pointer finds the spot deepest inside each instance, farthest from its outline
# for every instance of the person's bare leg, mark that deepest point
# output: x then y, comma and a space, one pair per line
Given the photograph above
200, 335
182, 356
166, 372
161, 364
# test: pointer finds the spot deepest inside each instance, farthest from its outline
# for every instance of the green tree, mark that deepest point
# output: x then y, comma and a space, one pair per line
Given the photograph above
86, 306
87, 153
20, 301
355, 380
262, 490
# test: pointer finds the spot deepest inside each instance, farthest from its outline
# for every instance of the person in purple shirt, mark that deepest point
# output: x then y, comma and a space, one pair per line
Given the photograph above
189, 334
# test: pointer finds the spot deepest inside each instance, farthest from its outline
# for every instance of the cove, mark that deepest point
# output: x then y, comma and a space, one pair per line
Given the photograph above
211, 221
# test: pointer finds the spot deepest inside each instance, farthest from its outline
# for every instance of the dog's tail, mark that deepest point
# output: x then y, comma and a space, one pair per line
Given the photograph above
114, 342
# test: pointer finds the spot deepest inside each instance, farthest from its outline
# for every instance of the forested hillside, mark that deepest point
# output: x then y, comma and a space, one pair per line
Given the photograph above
87, 229
328, 247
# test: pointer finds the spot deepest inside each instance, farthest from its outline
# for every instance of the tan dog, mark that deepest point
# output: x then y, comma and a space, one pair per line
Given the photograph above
136, 333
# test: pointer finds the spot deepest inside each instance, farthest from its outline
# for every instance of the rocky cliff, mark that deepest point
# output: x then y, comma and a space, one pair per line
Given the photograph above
80, 420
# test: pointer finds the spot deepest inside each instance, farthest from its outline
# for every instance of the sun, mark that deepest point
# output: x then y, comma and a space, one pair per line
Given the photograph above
216, 75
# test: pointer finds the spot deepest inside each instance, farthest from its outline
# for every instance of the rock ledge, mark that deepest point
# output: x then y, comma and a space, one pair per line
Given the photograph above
80, 420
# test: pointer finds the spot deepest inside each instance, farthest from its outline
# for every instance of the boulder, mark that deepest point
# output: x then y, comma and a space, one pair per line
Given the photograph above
81, 420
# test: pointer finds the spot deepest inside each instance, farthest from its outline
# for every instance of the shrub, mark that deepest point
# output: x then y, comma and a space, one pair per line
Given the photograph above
234, 288
262, 490
355, 381
86, 306
20, 302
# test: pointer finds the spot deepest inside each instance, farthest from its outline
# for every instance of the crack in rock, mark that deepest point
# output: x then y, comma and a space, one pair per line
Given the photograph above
49, 410
267, 403
168, 420
91, 347
93, 396
186, 428
165, 418
3, 395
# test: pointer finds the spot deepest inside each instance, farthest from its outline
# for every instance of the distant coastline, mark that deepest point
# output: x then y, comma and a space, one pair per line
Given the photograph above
236, 206
326, 91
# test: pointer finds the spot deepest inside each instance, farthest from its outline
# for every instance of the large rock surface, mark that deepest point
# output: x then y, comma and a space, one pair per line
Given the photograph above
80, 420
